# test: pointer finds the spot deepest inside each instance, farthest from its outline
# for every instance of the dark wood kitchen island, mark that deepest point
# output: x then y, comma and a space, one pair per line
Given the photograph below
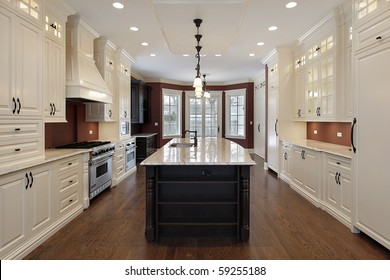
198, 191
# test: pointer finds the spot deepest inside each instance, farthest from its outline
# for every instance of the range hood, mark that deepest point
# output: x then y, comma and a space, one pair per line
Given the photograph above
83, 80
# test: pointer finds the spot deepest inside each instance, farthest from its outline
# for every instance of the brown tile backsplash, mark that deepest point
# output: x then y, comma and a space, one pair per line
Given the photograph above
327, 132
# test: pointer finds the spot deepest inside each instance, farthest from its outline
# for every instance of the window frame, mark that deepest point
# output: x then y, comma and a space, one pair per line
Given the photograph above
228, 95
178, 94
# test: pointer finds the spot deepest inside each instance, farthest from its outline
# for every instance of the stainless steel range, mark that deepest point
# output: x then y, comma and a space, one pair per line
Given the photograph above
100, 164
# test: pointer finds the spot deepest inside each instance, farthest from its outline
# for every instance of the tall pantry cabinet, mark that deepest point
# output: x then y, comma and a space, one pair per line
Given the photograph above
371, 138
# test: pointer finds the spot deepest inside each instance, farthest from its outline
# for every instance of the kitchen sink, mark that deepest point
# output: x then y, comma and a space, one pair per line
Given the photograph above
181, 145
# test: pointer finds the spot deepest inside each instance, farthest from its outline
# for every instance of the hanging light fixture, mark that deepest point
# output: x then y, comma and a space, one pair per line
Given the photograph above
198, 81
206, 93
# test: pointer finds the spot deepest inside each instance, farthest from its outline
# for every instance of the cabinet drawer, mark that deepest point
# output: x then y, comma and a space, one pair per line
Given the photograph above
22, 150
12, 130
198, 173
339, 162
372, 32
69, 202
68, 180
69, 164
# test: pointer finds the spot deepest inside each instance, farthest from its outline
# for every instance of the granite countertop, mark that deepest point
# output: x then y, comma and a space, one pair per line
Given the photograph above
50, 155
338, 150
146, 134
209, 151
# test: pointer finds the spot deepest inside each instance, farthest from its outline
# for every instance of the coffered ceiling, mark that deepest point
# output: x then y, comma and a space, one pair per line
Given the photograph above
231, 32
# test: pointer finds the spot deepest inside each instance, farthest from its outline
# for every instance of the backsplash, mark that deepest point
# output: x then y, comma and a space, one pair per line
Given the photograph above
328, 131
75, 130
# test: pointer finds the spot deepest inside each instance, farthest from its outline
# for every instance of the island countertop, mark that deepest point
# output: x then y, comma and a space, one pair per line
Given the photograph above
209, 151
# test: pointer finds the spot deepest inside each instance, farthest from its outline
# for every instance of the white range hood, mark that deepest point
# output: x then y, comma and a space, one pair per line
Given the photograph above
83, 80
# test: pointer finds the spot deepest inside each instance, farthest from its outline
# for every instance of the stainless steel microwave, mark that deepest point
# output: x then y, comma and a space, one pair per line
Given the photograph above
125, 128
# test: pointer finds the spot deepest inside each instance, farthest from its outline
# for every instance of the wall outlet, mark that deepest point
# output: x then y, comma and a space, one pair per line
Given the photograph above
315, 131
90, 132
339, 134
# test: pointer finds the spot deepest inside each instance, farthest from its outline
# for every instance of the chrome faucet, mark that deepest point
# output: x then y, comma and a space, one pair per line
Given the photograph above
195, 136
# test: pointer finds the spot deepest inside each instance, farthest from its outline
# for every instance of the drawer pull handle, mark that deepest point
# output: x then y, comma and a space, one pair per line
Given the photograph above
379, 38
69, 163
14, 109
338, 163
71, 181
20, 105
17, 150
32, 180
206, 173
17, 129
28, 181
70, 200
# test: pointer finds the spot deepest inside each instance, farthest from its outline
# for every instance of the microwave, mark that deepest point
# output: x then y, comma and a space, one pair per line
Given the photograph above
125, 128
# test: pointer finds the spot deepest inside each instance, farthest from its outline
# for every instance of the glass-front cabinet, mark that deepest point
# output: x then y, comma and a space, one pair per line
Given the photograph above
29, 9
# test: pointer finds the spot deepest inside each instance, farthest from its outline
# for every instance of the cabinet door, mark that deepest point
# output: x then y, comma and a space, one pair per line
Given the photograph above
300, 94
298, 174
28, 49
311, 170
273, 139
12, 214
345, 193
332, 189
259, 119
38, 203
312, 90
371, 172
7, 77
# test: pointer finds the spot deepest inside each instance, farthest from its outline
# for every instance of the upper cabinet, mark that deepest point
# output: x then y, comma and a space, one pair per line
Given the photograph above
320, 92
54, 68
21, 67
139, 102
31, 10
365, 10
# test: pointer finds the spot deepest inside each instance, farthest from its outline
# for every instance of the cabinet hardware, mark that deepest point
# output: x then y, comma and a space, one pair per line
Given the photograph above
70, 200
17, 149
379, 38
276, 127
338, 163
110, 113
338, 179
54, 109
258, 128
206, 173
14, 109
299, 113
20, 105
125, 114
32, 180
285, 156
17, 129
352, 130
28, 181
110, 62
335, 177
54, 26
71, 181
69, 163
51, 109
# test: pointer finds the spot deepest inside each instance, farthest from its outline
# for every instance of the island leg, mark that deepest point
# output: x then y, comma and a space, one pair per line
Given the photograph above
150, 229
245, 203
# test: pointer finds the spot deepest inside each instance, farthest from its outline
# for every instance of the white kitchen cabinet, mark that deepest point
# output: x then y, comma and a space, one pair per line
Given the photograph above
338, 188
300, 82
286, 161
370, 160
68, 181
54, 106
104, 55
305, 176
259, 115
119, 165
25, 210
30, 10
280, 124
21, 67
366, 10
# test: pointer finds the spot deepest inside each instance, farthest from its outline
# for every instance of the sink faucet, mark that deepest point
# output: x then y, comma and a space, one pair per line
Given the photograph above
195, 136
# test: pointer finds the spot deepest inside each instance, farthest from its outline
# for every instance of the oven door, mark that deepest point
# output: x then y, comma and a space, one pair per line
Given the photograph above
100, 175
130, 158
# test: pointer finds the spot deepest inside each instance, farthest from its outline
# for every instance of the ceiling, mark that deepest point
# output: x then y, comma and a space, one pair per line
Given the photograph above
230, 28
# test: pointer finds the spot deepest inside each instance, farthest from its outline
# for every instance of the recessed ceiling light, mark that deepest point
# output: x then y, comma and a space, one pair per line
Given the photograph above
218, 54
145, 44
118, 5
251, 54
260, 43
291, 5
152, 54
272, 28
134, 28
186, 54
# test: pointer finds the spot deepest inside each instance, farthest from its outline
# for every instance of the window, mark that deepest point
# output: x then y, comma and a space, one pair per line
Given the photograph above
171, 113
204, 114
235, 113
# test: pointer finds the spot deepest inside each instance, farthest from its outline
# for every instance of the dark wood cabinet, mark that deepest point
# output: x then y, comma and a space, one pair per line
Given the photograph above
140, 96
197, 201
146, 145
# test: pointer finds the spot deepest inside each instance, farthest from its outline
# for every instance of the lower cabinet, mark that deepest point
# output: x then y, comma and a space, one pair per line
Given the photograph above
25, 208
306, 173
338, 188
146, 145
119, 165
286, 162
36, 202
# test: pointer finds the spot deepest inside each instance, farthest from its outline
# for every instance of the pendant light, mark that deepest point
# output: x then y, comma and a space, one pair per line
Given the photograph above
198, 80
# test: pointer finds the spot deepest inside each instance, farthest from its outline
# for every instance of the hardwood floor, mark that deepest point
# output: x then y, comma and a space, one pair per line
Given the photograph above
284, 226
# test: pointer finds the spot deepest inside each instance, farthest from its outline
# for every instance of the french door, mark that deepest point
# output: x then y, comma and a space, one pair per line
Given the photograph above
204, 114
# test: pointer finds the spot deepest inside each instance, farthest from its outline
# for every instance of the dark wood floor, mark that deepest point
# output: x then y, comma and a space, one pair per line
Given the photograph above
284, 226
